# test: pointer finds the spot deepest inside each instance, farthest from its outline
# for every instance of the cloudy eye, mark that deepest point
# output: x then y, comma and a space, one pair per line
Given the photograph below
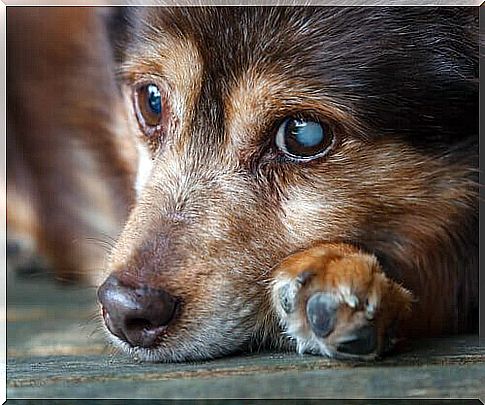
149, 108
303, 139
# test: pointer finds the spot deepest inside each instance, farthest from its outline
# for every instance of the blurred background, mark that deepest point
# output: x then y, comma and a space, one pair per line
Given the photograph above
66, 200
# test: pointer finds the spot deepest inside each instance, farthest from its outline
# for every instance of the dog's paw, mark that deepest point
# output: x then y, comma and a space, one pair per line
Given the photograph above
335, 300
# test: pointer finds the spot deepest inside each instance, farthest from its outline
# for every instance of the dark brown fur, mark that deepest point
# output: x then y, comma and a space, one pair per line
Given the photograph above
221, 206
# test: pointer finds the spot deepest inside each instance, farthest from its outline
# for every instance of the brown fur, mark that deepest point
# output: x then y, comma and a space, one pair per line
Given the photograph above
219, 207
63, 141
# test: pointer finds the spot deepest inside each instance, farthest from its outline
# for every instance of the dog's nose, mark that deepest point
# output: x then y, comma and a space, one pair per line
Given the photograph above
136, 315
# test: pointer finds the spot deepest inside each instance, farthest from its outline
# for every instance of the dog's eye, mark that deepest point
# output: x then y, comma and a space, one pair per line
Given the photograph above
303, 139
149, 108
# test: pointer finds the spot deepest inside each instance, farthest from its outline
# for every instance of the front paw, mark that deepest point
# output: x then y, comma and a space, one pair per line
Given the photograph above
335, 300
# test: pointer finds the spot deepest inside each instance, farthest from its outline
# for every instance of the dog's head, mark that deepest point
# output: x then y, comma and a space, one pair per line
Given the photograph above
263, 130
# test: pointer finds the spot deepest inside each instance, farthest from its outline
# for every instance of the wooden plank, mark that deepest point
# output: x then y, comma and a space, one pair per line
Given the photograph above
45, 318
51, 353
452, 366
462, 381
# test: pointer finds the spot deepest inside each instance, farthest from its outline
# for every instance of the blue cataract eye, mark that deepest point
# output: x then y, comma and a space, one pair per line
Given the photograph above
302, 138
154, 99
306, 133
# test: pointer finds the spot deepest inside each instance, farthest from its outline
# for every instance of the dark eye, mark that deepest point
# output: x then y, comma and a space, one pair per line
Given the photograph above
149, 108
303, 139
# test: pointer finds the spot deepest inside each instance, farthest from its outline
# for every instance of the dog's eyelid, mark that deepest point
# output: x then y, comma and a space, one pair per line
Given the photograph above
132, 74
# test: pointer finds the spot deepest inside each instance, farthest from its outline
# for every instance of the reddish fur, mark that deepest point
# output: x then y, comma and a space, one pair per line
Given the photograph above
216, 215
334, 265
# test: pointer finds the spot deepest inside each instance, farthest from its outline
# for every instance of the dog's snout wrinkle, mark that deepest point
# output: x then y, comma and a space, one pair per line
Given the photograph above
138, 315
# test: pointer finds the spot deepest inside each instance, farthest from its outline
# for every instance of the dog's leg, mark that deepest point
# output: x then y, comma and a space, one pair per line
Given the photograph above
70, 161
335, 300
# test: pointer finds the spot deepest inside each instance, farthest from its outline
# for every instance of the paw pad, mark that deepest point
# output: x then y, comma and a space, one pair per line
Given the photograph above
286, 297
335, 300
363, 341
321, 311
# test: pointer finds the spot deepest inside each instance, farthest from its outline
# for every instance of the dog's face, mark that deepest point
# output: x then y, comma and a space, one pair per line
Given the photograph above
263, 130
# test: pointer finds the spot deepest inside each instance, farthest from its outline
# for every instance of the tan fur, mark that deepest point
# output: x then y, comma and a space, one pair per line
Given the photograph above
207, 224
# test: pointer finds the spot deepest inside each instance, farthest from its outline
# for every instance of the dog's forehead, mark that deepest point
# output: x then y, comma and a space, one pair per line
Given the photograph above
222, 56
221, 60
354, 60
230, 40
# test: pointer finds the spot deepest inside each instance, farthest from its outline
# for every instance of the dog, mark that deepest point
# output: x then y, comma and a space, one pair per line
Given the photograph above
293, 178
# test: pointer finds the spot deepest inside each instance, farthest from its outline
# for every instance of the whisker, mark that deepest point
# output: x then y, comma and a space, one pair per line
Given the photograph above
106, 245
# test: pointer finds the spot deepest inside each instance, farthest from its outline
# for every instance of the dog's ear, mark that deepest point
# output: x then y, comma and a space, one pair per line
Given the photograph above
118, 23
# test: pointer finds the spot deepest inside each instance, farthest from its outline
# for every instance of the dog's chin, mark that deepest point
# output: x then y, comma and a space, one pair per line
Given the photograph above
166, 352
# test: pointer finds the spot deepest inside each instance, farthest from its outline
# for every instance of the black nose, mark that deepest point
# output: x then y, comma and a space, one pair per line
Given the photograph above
136, 315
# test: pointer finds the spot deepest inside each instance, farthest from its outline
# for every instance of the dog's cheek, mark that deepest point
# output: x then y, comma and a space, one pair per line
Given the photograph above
309, 217
145, 165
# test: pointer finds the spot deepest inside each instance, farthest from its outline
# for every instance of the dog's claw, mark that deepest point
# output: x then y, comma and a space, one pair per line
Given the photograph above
345, 306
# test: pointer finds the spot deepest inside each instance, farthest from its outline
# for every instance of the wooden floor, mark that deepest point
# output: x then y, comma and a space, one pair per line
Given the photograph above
56, 349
